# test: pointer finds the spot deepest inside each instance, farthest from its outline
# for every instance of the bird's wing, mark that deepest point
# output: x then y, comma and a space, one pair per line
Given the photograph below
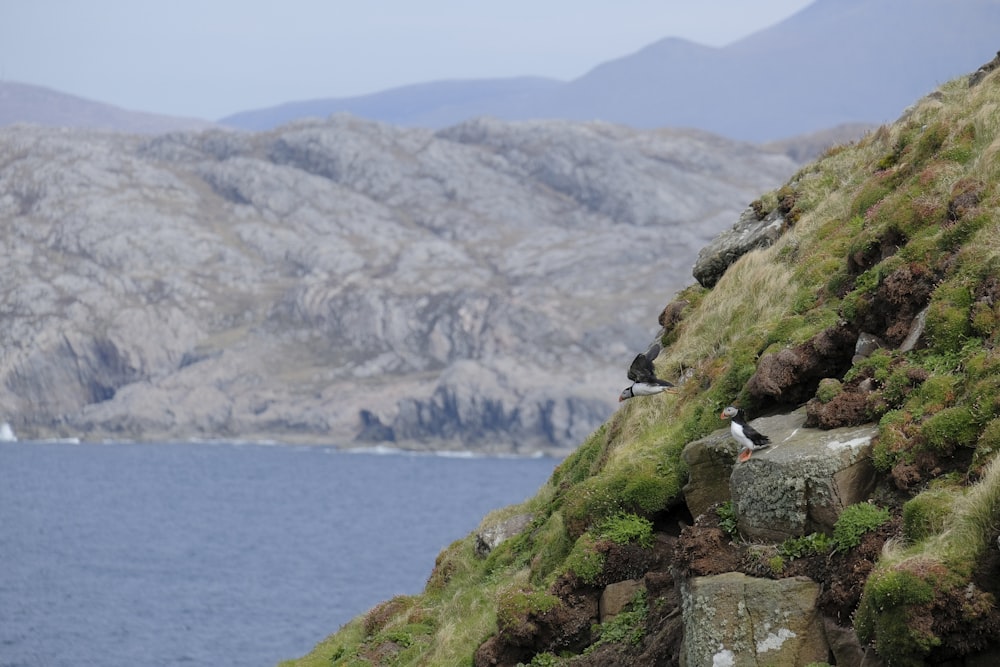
755, 436
641, 369
653, 351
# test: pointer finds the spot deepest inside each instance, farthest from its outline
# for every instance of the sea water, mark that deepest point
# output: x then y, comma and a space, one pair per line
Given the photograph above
221, 554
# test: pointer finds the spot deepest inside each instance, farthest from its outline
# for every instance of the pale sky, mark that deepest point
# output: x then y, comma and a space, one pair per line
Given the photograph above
212, 58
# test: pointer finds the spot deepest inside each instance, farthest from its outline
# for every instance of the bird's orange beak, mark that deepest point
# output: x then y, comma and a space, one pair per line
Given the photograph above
722, 415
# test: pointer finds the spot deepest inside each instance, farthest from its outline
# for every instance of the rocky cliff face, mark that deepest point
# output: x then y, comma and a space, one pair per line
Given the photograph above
345, 280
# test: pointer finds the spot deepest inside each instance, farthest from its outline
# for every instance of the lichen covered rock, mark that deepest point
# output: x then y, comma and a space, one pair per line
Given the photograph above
803, 480
732, 619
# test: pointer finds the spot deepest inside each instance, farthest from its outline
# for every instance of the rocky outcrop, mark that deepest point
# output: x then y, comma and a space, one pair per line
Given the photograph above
802, 482
344, 281
736, 620
710, 462
798, 485
750, 232
493, 535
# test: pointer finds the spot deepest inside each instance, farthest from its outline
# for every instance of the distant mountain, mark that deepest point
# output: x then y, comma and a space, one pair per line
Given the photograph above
433, 104
346, 281
36, 105
835, 62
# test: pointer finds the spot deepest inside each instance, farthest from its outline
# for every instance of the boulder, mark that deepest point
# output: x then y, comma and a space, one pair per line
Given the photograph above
802, 482
616, 597
846, 648
735, 620
749, 233
710, 465
492, 536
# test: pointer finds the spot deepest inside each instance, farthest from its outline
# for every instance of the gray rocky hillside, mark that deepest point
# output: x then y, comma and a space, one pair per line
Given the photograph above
345, 281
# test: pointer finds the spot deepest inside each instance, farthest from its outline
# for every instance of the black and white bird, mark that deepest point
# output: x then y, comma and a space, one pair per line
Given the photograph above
745, 434
643, 376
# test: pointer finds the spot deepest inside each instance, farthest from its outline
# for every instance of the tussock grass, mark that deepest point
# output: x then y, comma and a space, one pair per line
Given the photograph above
752, 294
975, 524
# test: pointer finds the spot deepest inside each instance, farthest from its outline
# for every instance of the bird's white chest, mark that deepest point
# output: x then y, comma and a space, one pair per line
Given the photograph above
740, 436
644, 389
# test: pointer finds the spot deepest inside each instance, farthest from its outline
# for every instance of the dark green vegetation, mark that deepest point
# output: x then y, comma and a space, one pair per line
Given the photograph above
907, 220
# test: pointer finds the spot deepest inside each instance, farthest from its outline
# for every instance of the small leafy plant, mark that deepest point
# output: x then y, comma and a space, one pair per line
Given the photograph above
855, 521
807, 545
727, 518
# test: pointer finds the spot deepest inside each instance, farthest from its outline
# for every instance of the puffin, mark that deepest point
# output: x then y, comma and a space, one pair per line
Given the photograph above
745, 434
643, 376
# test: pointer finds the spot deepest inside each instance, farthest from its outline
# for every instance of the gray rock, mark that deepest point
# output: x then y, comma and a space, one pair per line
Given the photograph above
736, 620
490, 537
710, 465
749, 233
846, 647
916, 331
802, 482
615, 597
314, 282
866, 345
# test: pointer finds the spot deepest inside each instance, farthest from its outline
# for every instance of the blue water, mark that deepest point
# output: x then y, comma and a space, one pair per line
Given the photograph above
221, 554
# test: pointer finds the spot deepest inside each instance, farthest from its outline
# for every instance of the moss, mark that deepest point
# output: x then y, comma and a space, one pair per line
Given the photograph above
950, 428
934, 394
987, 445
514, 604
984, 318
877, 366
585, 561
902, 380
624, 528
885, 616
855, 521
893, 439
872, 192
903, 213
927, 513
947, 324
930, 142
958, 233
828, 389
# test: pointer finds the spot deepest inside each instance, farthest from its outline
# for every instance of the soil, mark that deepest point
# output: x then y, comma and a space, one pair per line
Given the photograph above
890, 310
792, 375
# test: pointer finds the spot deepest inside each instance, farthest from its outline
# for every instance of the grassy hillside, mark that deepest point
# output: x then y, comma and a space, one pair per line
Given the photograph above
907, 217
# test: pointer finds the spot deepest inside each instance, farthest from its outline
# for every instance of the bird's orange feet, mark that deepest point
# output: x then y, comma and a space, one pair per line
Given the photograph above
744, 455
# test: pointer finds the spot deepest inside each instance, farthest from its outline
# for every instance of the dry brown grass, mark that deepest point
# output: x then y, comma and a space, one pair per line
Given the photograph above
753, 293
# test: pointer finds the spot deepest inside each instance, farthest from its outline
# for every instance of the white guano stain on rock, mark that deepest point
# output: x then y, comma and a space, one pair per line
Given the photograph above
724, 658
849, 444
773, 641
